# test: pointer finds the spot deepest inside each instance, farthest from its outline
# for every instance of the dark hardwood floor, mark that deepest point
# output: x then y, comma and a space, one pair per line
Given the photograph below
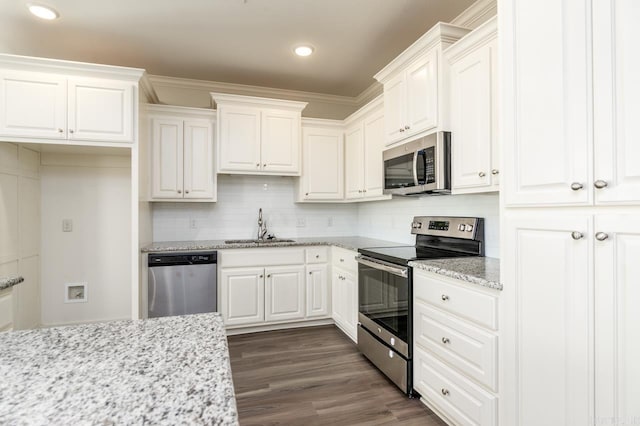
315, 376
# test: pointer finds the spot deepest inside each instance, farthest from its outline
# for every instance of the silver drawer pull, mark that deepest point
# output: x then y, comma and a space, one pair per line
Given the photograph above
577, 235
601, 236
444, 297
599, 184
317, 256
446, 340
576, 186
444, 391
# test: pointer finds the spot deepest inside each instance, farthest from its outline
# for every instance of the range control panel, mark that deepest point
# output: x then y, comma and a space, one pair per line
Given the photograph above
457, 227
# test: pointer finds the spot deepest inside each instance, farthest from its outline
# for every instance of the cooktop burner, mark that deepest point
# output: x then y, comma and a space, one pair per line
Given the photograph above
403, 254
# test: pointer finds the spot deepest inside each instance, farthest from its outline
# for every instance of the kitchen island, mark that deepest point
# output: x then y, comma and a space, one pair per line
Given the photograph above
172, 370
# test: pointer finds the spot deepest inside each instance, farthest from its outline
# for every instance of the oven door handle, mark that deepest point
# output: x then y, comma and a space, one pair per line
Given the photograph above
401, 272
415, 168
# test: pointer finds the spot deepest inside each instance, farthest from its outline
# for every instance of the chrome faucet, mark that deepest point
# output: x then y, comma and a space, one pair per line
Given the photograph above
262, 226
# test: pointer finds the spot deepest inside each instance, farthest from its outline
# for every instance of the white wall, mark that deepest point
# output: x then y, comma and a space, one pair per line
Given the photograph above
390, 220
20, 229
95, 192
235, 215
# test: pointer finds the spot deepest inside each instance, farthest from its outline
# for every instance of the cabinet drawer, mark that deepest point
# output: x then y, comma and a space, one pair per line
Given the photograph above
469, 349
260, 257
456, 397
450, 296
317, 255
344, 258
6, 310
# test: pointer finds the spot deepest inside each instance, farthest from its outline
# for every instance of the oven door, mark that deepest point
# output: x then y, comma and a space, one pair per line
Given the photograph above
384, 302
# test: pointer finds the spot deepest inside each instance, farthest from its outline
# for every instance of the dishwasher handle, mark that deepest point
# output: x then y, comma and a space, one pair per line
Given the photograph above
176, 259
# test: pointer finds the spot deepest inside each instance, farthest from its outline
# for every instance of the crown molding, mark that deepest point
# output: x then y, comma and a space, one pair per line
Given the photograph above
322, 122
369, 94
249, 90
476, 14
485, 33
58, 66
363, 111
148, 91
181, 111
224, 98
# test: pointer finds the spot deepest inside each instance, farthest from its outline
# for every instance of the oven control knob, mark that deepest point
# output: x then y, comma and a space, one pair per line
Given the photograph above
468, 228
416, 225
392, 341
390, 354
461, 227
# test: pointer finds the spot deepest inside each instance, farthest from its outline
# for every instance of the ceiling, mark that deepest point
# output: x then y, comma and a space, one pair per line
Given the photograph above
232, 41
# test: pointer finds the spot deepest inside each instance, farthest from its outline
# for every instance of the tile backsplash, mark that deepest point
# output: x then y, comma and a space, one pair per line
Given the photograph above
235, 215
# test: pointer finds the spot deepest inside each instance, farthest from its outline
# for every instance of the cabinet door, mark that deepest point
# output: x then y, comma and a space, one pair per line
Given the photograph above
281, 142
317, 291
422, 94
167, 154
350, 283
101, 110
323, 168
616, 60
617, 336
472, 109
354, 162
395, 105
242, 296
239, 139
33, 105
546, 93
547, 322
284, 293
373, 146
198, 159
338, 297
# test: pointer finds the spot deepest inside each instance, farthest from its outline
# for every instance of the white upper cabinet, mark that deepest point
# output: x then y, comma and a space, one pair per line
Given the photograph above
182, 163
616, 91
571, 108
364, 141
33, 104
100, 110
92, 103
322, 160
473, 110
415, 83
258, 135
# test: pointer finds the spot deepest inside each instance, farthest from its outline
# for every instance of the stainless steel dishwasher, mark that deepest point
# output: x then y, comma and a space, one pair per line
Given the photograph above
182, 283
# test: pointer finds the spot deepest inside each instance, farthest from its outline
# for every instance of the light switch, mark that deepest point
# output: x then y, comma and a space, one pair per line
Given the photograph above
67, 225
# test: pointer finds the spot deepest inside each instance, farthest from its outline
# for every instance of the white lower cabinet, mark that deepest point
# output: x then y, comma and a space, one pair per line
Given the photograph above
284, 293
242, 295
266, 286
456, 348
6, 310
344, 291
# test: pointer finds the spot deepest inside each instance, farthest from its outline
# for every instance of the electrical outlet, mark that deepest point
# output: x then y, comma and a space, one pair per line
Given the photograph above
75, 292
301, 222
330, 221
193, 224
67, 225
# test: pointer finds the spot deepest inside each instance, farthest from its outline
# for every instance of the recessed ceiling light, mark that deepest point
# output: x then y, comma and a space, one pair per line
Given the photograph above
43, 12
303, 50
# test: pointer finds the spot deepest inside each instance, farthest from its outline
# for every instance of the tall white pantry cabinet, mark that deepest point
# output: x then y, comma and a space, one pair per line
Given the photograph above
570, 129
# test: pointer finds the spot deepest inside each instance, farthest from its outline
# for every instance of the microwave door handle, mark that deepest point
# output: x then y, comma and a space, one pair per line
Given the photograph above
415, 167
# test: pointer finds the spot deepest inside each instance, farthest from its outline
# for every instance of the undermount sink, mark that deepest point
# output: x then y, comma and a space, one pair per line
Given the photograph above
266, 241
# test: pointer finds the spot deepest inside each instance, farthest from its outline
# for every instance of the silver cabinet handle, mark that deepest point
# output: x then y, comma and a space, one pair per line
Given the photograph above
495, 171
71, 131
576, 186
401, 129
444, 297
601, 236
264, 165
310, 273
317, 256
444, 391
364, 190
306, 193
257, 164
341, 260
482, 174
179, 191
359, 191
577, 235
186, 192
268, 275
599, 184
261, 276
445, 340
407, 127
60, 131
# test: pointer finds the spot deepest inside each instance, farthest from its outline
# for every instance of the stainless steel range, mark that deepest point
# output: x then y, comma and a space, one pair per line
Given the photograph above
385, 290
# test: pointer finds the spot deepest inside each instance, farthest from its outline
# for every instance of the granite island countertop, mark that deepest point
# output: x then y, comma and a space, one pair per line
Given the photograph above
166, 371
484, 271
10, 281
350, 243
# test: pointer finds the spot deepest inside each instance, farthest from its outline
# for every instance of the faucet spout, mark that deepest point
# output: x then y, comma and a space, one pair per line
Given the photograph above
262, 226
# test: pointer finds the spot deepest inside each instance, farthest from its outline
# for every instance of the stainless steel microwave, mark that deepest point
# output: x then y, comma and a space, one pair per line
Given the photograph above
420, 166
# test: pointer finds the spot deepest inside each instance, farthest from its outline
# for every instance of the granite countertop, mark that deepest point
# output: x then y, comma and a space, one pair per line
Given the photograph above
484, 271
166, 371
350, 243
10, 281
